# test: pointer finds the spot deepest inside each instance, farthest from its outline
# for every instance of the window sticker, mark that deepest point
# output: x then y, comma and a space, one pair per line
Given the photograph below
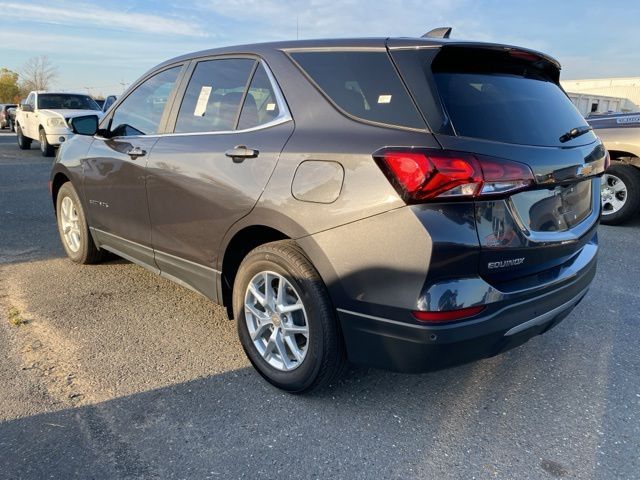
203, 100
271, 107
384, 99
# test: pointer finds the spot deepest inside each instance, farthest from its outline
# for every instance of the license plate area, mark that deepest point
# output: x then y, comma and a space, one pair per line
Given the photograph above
554, 210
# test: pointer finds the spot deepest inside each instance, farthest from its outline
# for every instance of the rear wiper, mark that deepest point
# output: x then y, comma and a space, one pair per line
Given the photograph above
575, 132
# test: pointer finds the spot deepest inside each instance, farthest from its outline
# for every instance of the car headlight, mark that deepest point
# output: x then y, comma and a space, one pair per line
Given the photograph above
56, 122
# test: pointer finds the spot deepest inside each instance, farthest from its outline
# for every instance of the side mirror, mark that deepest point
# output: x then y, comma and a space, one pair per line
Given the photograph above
84, 125
26, 107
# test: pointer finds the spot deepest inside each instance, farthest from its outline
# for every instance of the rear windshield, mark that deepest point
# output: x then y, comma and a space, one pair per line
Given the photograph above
363, 84
504, 97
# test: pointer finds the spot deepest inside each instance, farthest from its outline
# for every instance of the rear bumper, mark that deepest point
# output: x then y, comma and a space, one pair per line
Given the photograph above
396, 344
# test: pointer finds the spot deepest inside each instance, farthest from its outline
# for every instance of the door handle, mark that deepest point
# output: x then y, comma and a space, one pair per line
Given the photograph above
240, 152
136, 152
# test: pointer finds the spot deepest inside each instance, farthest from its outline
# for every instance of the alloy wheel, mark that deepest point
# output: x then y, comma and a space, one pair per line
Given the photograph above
613, 194
70, 224
276, 320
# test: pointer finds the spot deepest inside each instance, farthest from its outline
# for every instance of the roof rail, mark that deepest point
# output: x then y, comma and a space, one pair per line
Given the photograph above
441, 32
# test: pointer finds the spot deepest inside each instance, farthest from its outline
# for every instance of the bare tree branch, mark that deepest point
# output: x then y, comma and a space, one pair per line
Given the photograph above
38, 73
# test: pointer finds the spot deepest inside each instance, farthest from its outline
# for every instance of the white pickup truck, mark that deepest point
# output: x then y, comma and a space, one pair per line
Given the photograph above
620, 134
44, 117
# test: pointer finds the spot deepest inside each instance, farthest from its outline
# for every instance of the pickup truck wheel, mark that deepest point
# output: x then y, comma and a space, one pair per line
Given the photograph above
46, 149
73, 227
286, 322
23, 142
620, 194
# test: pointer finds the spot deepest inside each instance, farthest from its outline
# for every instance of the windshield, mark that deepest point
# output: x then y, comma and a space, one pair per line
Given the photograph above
66, 101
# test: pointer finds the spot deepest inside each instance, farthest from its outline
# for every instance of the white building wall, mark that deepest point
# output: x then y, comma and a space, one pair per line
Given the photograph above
624, 87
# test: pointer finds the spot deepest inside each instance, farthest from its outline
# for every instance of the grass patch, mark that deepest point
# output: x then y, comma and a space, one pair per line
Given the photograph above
15, 317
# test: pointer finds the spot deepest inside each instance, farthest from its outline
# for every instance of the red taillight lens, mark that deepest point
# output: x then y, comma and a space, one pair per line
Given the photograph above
420, 174
447, 315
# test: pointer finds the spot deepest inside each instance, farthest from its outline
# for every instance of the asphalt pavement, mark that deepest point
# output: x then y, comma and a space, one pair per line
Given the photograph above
113, 372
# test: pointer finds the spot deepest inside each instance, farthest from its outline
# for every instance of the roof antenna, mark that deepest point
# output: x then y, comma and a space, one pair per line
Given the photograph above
441, 32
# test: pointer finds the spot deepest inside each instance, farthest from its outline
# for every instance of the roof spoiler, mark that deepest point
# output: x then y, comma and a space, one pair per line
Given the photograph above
441, 32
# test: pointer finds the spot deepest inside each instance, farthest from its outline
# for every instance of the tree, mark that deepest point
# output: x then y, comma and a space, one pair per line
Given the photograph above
9, 89
38, 74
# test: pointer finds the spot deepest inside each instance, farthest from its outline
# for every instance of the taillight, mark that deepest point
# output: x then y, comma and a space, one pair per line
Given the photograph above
447, 315
422, 174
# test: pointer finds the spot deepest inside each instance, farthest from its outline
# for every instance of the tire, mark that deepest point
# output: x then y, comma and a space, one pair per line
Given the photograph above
77, 242
23, 142
46, 149
324, 357
620, 194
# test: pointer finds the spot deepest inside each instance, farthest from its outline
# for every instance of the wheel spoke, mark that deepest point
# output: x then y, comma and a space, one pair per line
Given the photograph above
280, 294
289, 308
293, 329
282, 350
261, 316
619, 187
293, 346
256, 294
271, 345
259, 332
616, 203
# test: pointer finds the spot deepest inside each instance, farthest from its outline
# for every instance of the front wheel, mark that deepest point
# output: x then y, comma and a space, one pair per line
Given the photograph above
620, 193
23, 142
73, 228
286, 322
46, 149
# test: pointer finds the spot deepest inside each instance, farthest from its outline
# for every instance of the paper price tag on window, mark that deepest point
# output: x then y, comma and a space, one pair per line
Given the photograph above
384, 99
203, 100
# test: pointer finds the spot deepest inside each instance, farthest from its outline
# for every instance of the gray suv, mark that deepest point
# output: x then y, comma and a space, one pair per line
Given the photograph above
409, 204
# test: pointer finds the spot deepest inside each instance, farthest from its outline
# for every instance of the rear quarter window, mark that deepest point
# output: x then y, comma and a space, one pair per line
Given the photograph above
363, 84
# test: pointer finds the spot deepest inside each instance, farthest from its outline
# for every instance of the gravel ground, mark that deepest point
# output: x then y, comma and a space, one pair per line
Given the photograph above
117, 373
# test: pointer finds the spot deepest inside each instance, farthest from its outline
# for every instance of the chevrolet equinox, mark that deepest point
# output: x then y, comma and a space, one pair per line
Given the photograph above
409, 204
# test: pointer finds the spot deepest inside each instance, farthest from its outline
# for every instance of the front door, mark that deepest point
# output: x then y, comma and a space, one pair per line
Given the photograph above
211, 171
115, 169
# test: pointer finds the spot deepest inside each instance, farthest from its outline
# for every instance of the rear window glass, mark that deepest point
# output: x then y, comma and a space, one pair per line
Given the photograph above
504, 97
363, 84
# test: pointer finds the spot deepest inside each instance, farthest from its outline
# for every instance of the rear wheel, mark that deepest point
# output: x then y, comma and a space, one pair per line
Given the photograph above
286, 322
23, 142
620, 194
73, 228
46, 149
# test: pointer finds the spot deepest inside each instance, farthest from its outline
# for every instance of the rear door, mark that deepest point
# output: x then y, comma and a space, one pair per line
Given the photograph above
115, 167
230, 124
506, 104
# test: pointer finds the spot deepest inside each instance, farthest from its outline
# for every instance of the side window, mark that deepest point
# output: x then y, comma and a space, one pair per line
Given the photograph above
260, 105
363, 84
140, 113
212, 99
31, 100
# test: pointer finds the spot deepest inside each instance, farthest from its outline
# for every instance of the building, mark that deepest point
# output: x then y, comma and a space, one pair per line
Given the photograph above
601, 95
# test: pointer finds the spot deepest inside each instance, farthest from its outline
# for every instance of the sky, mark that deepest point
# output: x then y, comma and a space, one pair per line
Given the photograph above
101, 47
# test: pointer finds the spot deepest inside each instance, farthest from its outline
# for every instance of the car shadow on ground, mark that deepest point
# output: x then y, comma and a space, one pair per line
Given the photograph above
234, 425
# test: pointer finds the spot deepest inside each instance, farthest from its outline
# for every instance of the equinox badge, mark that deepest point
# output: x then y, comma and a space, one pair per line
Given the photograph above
506, 263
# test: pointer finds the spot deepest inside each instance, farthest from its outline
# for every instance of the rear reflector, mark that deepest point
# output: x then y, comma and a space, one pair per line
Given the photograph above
447, 315
425, 174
